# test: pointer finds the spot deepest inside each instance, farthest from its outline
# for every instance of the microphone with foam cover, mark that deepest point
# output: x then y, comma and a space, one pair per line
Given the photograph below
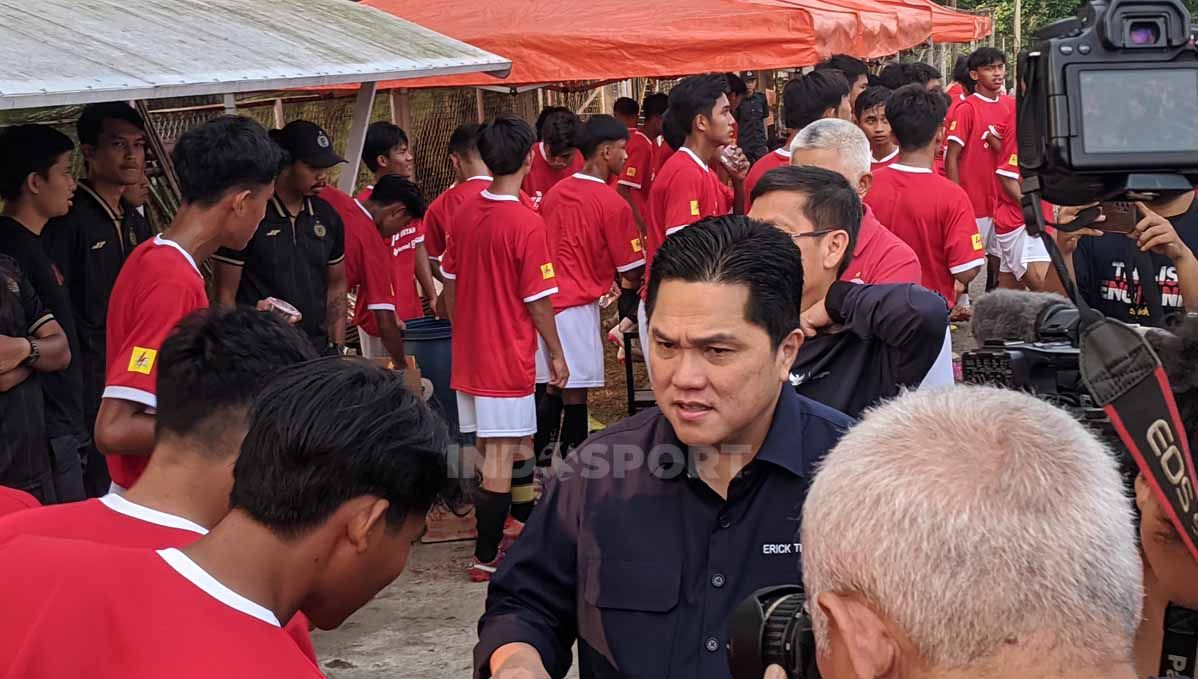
1014, 314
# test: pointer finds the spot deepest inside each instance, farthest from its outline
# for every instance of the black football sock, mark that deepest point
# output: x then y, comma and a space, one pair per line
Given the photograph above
574, 427
549, 418
523, 493
491, 510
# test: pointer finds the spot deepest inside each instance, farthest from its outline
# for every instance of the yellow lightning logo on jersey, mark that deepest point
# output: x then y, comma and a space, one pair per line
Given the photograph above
636, 244
547, 271
694, 208
1014, 161
142, 360
632, 172
977, 241
952, 126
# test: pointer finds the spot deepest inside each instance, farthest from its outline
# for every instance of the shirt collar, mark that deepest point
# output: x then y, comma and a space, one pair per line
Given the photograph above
114, 216
988, 100
783, 445
281, 209
482, 177
911, 170
121, 505
587, 177
201, 578
541, 148
694, 156
159, 240
890, 156
364, 210
784, 153
491, 196
869, 229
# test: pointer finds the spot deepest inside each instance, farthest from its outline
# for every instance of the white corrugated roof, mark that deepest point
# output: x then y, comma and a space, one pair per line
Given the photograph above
58, 52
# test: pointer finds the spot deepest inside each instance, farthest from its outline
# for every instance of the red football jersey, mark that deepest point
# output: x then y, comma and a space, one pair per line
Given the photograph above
113, 520
13, 500
1008, 213
158, 285
954, 101
638, 170
932, 215
591, 235
968, 127
364, 194
498, 256
661, 153
685, 192
779, 158
880, 256
137, 614
541, 177
955, 91
876, 164
438, 218
367, 268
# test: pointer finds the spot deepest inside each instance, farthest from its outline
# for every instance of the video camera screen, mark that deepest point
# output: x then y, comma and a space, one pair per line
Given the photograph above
1139, 110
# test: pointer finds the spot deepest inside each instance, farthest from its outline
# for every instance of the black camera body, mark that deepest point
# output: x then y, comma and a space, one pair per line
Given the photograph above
1107, 101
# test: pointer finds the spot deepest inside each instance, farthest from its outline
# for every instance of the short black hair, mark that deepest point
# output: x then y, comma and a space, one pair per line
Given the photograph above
655, 105
91, 121
737, 250
25, 150
464, 139
626, 106
852, 67
874, 81
922, 73
831, 203
736, 85
504, 144
225, 154
381, 137
544, 115
329, 431
915, 114
805, 98
213, 365
869, 98
695, 96
392, 189
672, 132
560, 133
985, 56
895, 75
961, 71
600, 129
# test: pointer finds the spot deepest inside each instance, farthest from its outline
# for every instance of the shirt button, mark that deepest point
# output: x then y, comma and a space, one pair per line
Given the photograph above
712, 644
717, 580
725, 522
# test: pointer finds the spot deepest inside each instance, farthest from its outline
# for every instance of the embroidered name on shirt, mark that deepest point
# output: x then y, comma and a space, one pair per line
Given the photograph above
782, 548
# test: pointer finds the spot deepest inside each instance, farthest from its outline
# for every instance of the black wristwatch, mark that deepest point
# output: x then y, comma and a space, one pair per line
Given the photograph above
34, 353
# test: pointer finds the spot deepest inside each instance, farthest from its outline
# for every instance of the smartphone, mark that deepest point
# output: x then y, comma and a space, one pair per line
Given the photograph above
1121, 217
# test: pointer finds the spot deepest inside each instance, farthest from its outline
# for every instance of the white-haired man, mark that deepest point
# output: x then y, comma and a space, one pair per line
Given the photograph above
1016, 554
879, 256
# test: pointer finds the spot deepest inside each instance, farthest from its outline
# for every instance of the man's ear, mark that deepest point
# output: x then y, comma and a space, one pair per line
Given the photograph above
33, 183
788, 351
366, 514
865, 637
1143, 492
88, 151
838, 245
382, 161
831, 112
864, 184
239, 201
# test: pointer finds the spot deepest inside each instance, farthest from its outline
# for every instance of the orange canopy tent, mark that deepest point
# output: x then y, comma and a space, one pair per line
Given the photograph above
551, 41
949, 25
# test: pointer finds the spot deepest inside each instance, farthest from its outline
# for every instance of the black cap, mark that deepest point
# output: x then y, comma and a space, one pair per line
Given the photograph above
308, 142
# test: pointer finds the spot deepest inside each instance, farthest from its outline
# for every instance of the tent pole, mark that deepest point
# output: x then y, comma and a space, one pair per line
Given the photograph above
401, 111
480, 106
231, 104
279, 116
357, 136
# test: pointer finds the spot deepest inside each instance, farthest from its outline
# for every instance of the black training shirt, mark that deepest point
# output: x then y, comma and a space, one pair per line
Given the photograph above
89, 245
24, 452
641, 562
289, 257
64, 389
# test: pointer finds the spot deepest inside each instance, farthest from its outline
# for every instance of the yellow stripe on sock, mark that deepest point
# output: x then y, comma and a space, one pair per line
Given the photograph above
522, 494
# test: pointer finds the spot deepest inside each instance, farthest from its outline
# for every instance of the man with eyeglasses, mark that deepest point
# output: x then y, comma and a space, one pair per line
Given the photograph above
864, 343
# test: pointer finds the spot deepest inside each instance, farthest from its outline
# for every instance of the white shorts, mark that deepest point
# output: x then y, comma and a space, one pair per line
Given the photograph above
1015, 250
986, 228
578, 330
372, 347
497, 417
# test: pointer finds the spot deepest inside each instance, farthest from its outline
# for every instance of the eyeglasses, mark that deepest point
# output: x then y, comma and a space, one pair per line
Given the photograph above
814, 234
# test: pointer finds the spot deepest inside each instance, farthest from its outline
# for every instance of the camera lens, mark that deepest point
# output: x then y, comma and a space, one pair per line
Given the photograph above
771, 627
1144, 33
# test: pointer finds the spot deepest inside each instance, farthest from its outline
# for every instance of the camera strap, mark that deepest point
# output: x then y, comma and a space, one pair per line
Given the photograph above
1179, 649
1125, 377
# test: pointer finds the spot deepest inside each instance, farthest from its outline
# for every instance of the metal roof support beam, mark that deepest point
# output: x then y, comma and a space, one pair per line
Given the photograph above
357, 136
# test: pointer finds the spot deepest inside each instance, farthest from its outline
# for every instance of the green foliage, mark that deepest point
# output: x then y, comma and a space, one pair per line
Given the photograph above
1036, 13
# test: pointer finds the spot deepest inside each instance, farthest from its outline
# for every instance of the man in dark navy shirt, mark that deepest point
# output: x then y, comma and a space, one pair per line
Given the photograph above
36, 185
656, 528
298, 252
90, 243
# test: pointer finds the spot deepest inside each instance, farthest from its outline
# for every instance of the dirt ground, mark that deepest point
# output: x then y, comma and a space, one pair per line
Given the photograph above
424, 625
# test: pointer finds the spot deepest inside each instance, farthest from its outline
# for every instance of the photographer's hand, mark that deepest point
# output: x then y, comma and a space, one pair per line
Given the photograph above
1156, 234
775, 672
1067, 240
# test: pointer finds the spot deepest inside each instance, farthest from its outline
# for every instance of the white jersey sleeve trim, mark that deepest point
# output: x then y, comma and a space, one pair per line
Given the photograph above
1007, 173
674, 229
633, 265
545, 293
957, 139
380, 307
961, 268
625, 182
130, 394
